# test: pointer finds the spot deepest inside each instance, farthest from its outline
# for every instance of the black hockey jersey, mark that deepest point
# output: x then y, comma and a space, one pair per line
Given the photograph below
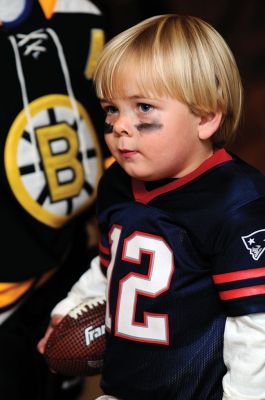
180, 256
50, 146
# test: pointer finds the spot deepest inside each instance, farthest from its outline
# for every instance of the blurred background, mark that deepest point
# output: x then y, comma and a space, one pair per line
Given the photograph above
242, 24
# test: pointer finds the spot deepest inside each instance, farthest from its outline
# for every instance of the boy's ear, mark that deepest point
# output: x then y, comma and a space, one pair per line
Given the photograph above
208, 124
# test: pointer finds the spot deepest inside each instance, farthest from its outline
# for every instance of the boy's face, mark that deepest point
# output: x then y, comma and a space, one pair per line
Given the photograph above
153, 138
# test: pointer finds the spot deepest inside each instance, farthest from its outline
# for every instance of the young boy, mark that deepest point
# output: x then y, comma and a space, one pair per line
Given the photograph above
182, 221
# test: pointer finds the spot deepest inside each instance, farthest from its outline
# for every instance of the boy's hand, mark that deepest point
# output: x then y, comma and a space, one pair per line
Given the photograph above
54, 322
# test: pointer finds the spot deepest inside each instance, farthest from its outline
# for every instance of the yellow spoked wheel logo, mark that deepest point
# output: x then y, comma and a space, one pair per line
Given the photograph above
53, 159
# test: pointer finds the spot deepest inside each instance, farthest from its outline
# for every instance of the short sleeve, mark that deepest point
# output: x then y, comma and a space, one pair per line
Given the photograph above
239, 261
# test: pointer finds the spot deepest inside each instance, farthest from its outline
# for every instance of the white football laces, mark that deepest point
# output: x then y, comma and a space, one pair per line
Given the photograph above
85, 305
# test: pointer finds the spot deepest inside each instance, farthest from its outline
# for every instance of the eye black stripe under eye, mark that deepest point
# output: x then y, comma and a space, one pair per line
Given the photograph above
149, 126
108, 128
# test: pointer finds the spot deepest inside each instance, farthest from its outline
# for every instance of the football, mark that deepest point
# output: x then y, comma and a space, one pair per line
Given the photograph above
76, 345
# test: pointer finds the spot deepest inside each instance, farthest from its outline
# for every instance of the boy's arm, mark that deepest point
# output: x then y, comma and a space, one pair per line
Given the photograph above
91, 284
244, 356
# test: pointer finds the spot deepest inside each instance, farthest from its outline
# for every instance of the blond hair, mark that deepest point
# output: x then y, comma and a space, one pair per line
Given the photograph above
176, 56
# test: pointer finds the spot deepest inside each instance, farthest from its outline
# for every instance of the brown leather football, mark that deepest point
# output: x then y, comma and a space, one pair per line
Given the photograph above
76, 346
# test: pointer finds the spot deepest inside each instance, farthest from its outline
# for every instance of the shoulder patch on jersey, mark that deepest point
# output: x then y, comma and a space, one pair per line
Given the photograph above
255, 243
82, 6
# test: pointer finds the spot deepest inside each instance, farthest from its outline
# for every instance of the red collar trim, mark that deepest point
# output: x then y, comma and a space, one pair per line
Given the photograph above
143, 196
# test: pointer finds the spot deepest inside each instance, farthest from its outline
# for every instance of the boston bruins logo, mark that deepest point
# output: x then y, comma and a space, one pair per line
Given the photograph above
53, 159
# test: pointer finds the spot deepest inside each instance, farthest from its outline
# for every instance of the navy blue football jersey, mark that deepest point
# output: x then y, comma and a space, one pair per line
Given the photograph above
180, 256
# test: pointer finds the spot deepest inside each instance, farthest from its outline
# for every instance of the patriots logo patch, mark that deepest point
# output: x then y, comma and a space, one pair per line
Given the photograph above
255, 243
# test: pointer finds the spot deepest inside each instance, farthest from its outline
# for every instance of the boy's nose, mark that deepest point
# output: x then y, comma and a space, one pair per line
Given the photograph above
123, 127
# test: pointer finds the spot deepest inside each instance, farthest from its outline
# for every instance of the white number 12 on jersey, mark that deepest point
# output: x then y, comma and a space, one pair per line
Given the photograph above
155, 328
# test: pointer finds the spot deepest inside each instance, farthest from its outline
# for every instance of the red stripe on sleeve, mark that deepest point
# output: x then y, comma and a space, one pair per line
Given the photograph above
243, 292
104, 262
103, 249
239, 275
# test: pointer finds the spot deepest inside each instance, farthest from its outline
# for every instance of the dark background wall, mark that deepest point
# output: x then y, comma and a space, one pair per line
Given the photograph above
242, 24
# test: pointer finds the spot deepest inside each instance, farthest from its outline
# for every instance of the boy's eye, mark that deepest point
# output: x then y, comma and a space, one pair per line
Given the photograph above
110, 110
145, 107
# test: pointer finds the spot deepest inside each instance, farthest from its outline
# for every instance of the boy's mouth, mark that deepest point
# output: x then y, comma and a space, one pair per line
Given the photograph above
126, 153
